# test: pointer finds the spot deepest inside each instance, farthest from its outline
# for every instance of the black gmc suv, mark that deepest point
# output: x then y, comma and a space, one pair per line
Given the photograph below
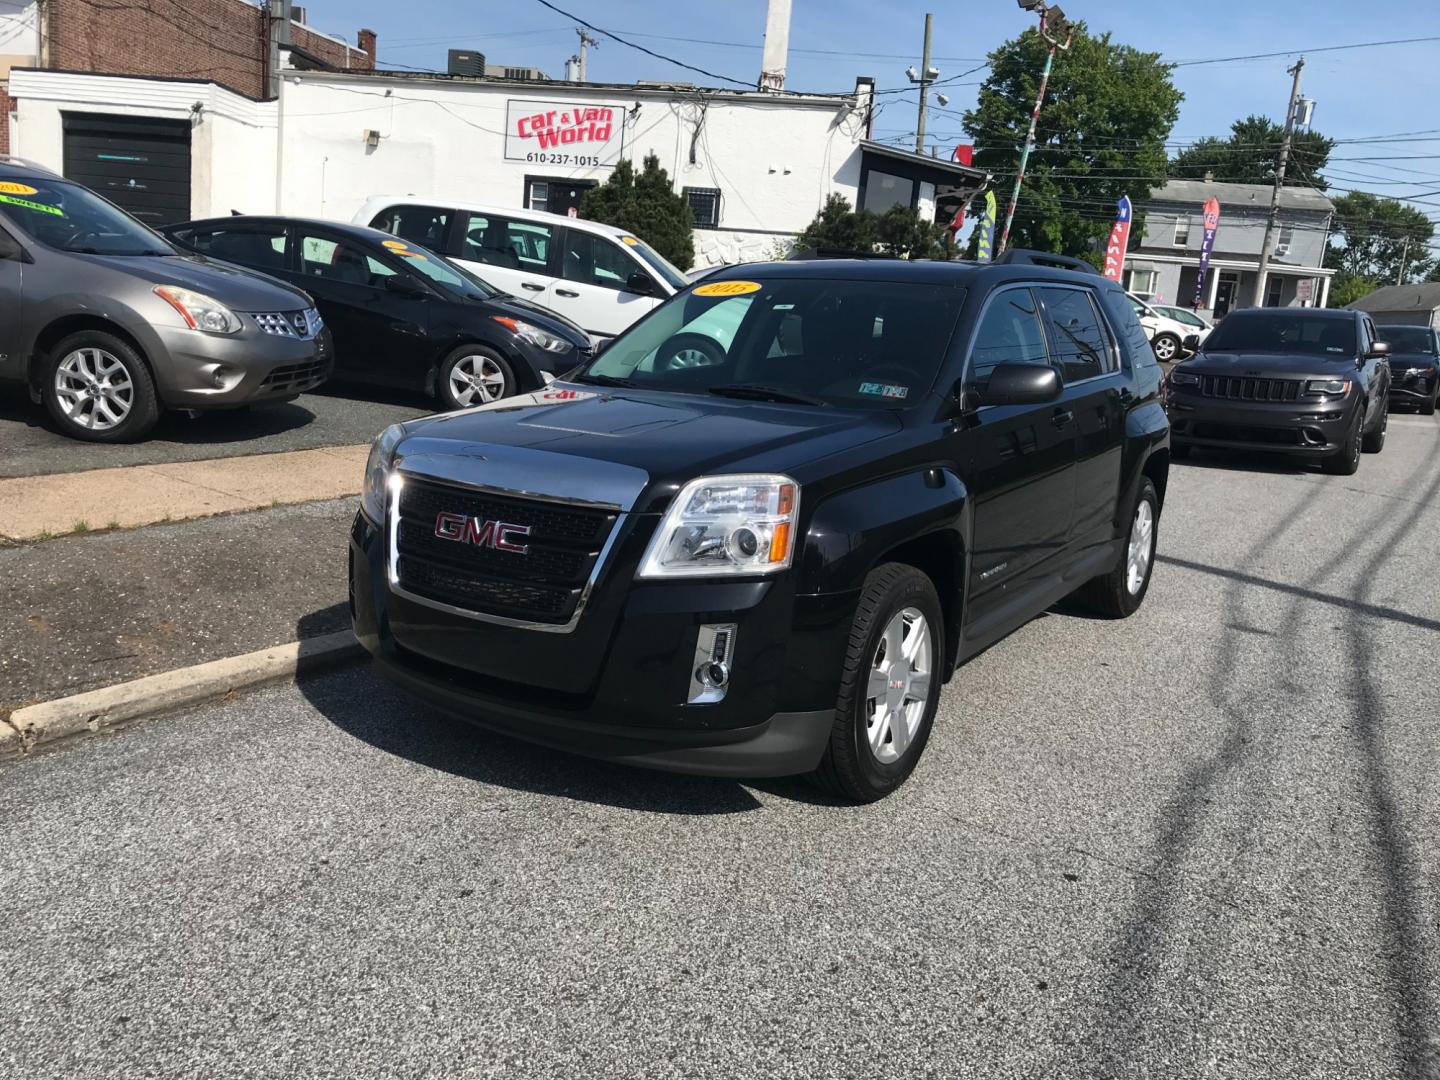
1306, 382
757, 533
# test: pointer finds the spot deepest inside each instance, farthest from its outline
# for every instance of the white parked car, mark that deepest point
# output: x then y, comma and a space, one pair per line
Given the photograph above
1167, 336
1198, 324
596, 275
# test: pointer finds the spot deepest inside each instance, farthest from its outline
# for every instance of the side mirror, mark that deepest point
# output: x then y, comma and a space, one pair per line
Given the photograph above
1191, 343
640, 283
403, 286
1021, 384
1378, 350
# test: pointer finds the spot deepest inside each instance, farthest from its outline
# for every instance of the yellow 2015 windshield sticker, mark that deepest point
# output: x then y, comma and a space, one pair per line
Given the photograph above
727, 288
9, 187
29, 205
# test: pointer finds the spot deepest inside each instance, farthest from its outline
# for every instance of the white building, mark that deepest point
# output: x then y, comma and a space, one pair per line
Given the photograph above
755, 165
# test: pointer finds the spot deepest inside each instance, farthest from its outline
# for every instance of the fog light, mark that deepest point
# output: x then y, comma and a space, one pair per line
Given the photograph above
218, 376
710, 672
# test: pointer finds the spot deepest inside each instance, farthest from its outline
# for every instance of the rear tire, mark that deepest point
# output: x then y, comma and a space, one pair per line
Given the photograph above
474, 375
98, 388
1374, 441
1346, 460
1119, 594
889, 686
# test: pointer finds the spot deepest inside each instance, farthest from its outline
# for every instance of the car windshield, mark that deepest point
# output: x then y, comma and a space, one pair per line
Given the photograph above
657, 262
1284, 332
72, 218
440, 270
816, 341
1409, 339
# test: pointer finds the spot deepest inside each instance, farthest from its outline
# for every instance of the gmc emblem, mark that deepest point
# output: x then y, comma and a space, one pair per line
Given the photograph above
473, 530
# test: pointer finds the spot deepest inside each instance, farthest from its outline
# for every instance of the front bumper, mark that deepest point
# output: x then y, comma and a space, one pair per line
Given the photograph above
1413, 390
253, 366
1307, 429
616, 687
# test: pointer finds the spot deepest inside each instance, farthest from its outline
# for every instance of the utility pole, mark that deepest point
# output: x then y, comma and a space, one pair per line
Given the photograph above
1404, 258
585, 40
1264, 272
925, 78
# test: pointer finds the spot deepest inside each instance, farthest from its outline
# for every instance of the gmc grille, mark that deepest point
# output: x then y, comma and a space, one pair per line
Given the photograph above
543, 585
1244, 388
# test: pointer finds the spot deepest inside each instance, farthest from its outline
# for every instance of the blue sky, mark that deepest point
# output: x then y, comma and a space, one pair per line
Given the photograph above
1360, 93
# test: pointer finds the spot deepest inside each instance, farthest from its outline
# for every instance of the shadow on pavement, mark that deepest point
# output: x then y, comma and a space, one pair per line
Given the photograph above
1237, 461
390, 720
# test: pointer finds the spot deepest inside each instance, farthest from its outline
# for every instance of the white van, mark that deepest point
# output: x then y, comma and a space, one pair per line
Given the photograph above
596, 275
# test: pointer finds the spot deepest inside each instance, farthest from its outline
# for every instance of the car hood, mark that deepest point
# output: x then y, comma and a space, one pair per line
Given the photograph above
232, 286
1402, 361
517, 308
670, 438
1269, 365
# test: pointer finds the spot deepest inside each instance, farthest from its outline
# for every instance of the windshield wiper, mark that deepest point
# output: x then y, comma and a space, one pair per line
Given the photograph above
605, 380
759, 392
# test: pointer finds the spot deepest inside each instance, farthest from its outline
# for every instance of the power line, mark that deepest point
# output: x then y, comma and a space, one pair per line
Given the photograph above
1296, 52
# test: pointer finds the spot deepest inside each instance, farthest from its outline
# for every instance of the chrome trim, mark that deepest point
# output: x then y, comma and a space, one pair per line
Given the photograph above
396, 484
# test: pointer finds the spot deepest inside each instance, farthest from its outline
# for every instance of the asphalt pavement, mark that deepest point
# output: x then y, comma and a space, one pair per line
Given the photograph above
33, 446
1198, 843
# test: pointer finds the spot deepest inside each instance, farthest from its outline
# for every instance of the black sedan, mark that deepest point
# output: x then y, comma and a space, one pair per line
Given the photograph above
400, 315
1304, 382
1414, 366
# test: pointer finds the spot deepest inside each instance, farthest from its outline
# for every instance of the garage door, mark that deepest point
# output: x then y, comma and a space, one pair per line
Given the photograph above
137, 162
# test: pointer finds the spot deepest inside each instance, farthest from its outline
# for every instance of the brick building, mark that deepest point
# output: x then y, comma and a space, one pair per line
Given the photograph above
226, 42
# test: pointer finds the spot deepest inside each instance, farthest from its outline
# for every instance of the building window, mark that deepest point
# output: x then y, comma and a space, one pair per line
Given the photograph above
1141, 281
705, 205
1285, 239
1274, 291
1182, 233
538, 197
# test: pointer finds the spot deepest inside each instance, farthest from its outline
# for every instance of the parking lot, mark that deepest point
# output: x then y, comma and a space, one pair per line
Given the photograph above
1197, 843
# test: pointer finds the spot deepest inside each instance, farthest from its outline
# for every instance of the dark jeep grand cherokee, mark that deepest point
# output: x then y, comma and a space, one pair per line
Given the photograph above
757, 533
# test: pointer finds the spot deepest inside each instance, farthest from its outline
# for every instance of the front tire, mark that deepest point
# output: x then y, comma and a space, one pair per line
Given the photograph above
1119, 594
1166, 346
474, 375
889, 687
1374, 441
1428, 408
98, 388
1346, 460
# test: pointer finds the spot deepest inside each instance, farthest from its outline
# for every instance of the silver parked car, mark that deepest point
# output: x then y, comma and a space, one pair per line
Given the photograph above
108, 324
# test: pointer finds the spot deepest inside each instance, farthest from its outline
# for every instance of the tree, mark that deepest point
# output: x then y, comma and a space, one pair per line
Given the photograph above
900, 231
1101, 135
1375, 236
1251, 153
1345, 289
646, 205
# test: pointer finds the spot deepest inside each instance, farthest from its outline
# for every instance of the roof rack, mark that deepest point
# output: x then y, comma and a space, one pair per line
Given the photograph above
807, 254
1027, 257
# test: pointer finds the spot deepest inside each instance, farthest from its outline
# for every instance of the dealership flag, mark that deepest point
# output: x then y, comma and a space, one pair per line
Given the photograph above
1119, 240
987, 228
1212, 223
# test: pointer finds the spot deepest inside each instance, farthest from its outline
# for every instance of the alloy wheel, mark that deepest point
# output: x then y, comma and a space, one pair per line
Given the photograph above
1165, 348
477, 380
1141, 550
899, 685
94, 389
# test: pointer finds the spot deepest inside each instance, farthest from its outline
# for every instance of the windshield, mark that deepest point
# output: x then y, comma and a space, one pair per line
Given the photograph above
856, 344
72, 218
1409, 339
657, 262
1283, 332
441, 271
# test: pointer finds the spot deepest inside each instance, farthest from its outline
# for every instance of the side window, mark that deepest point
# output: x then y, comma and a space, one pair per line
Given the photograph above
1010, 333
262, 248
1121, 310
594, 260
1076, 337
423, 225
330, 259
512, 245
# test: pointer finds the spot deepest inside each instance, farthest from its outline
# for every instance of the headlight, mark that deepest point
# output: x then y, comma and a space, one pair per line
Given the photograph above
1327, 386
199, 311
541, 339
377, 472
725, 525
1184, 378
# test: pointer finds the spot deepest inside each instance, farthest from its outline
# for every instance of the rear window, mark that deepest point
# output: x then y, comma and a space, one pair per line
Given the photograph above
1284, 332
427, 226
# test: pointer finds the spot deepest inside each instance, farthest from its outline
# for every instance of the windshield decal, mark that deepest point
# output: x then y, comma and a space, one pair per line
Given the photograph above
727, 288
9, 187
875, 389
629, 241
29, 205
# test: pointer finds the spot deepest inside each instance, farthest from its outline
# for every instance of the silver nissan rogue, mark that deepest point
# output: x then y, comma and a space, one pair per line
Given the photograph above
108, 324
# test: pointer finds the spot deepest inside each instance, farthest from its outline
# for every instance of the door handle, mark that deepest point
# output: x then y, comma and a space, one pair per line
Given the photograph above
532, 286
566, 292
1061, 417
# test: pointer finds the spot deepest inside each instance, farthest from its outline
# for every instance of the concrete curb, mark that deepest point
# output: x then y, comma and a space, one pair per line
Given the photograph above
37, 725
